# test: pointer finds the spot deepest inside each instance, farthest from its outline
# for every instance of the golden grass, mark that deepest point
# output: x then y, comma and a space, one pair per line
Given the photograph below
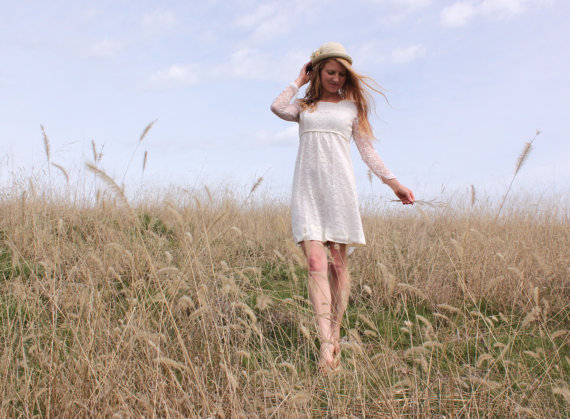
195, 305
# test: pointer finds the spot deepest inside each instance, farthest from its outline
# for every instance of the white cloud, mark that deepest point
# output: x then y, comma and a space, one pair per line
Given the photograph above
462, 12
376, 52
407, 54
272, 28
396, 10
106, 48
253, 64
175, 76
287, 137
158, 21
243, 64
415, 4
248, 63
88, 14
269, 20
458, 14
368, 54
250, 20
407, 5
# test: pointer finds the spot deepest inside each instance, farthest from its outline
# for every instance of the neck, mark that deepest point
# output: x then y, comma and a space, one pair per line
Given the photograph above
330, 97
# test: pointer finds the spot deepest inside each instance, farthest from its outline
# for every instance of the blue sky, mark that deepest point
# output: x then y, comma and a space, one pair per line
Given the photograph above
468, 83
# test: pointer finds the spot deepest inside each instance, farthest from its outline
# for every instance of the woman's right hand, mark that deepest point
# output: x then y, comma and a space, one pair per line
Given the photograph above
304, 75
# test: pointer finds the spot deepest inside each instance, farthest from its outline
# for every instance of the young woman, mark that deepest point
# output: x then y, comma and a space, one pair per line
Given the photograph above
324, 209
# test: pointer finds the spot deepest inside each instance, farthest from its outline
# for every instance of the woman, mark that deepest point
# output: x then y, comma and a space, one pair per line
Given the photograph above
324, 202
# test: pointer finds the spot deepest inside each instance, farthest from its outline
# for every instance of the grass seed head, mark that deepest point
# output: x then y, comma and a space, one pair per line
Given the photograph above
562, 391
301, 397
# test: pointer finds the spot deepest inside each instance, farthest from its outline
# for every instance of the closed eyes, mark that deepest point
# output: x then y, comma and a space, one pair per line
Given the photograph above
340, 74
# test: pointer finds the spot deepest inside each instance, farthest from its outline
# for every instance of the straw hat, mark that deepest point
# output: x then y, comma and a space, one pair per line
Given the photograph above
330, 50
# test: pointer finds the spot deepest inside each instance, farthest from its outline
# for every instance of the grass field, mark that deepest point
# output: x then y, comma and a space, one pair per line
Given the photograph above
194, 304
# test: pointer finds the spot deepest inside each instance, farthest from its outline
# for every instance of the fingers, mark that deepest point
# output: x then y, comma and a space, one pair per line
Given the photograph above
304, 76
406, 196
411, 198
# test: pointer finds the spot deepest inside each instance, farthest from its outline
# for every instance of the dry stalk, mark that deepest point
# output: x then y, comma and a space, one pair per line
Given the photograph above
142, 137
46, 144
119, 193
520, 161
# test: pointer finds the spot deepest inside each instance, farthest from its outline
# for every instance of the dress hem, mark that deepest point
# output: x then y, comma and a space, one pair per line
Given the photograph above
326, 240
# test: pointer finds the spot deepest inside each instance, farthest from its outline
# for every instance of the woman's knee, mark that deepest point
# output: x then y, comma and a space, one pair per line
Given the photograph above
317, 262
339, 265
339, 258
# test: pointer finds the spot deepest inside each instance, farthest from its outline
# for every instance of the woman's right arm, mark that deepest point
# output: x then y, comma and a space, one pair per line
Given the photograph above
282, 106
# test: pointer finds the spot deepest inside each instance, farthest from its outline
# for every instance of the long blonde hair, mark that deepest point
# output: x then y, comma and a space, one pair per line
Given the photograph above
355, 88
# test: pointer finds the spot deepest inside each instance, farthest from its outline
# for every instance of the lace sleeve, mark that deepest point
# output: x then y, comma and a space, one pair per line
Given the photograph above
282, 106
369, 154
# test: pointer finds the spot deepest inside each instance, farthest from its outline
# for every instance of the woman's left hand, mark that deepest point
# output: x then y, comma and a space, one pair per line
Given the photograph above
405, 195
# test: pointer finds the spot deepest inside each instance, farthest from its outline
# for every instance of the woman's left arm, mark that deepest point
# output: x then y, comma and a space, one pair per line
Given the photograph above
375, 163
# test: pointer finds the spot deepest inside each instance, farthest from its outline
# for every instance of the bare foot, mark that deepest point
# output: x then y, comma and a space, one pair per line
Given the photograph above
329, 361
336, 342
336, 351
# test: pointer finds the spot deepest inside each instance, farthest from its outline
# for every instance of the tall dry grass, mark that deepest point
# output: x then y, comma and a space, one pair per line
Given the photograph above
195, 305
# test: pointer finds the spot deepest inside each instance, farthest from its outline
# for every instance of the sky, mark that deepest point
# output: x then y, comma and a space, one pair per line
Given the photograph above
468, 82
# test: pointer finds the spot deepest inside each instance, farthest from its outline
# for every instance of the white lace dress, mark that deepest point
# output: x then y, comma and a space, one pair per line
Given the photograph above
324, 201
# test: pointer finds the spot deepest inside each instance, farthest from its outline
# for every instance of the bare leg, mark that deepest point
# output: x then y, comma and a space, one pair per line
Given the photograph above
320, 295
340, 288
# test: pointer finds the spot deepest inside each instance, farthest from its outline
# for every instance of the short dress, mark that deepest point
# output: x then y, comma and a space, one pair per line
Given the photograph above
324, 200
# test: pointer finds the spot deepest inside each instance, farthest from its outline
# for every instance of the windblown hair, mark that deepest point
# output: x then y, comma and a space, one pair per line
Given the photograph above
356, 88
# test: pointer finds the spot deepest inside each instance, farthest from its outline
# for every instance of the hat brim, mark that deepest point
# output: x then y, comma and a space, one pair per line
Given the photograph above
326, 56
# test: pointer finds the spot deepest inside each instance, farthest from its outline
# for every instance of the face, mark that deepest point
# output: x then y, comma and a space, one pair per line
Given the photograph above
333, 76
